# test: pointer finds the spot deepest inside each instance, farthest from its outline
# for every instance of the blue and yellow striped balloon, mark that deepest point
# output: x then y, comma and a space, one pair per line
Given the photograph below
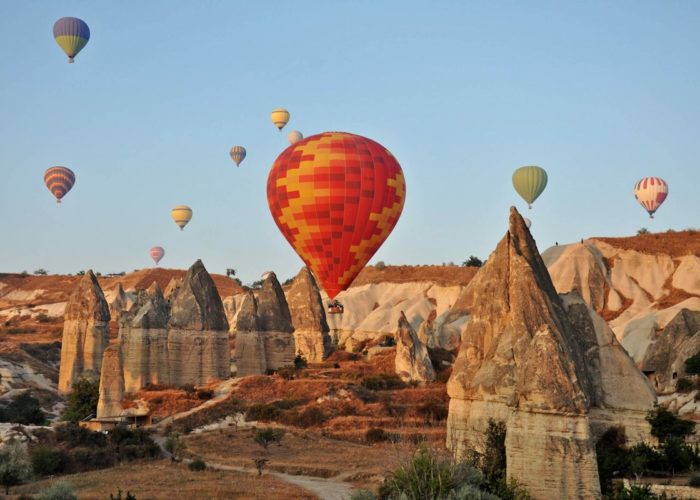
71, 34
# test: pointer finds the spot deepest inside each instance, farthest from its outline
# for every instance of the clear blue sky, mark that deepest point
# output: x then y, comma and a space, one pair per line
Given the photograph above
597, 93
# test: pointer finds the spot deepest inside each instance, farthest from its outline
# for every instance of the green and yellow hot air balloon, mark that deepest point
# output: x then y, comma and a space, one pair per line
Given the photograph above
529, 182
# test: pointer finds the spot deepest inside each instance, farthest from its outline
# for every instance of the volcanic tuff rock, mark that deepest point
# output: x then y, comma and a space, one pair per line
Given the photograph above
197, 305
308, 318
111, 384
85, 333
523, 360
412, 362
172, 288
665, 359
264, 339
118, 304
198, 348
143, 340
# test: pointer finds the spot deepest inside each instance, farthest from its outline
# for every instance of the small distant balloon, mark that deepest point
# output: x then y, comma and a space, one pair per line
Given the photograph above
59, 180
294, 136
181, 214
71, 34
237, 154
280, 117
157, 253
528, 222
651, 192
529, 182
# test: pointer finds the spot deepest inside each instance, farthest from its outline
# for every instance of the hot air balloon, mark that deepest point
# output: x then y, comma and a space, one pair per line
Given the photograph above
528, 222
237, 154
59, 180
280, 117
529, 182
651, 192
71, 34
294, 136
336, 197
157, 253
181, 214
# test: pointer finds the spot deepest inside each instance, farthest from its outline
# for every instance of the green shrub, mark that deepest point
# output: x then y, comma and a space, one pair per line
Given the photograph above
692, 364
694, 481
129, 495
309, 417
262, 412
376, 435
82, 400
684, 385
15, 467
665, 424
60, 490
300, 362
264, 437
636, 492
197, 465
383, 382
47, 461
23, 409
175, 445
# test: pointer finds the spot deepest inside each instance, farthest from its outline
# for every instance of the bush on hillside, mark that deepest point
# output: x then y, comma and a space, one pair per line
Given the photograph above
692, 364
23, 409
665, 425
197, 465
82, 400
47, 461
383, 382
60, 490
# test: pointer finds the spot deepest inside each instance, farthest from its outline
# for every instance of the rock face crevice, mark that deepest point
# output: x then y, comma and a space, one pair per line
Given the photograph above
263, 330
412, 362
537, 363
85, 333
311, 332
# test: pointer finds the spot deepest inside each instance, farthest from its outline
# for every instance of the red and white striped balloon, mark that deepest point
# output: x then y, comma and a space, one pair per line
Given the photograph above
651, 192
59, 180
157, 253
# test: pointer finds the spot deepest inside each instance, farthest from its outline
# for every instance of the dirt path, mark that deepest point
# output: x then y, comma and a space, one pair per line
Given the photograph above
325, 489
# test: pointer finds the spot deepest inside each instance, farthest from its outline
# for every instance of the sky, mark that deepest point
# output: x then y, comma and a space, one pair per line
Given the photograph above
598, 93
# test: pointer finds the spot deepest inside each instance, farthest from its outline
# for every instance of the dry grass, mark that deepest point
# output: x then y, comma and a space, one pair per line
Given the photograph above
300, 452
163, 480
673, 243
440, 275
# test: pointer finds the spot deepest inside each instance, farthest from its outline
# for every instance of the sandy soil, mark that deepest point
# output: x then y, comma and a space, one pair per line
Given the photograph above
673, 243
440, 275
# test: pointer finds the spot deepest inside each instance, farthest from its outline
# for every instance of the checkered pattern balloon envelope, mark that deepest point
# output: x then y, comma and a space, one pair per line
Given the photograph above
336, 197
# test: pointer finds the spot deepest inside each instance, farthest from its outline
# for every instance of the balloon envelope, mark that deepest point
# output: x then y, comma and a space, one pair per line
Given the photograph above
71, 34
294, 136
59, 180
651, 192
237, 154
280, 117
157, 253
528, 222
181, 214
336, 197
529, 182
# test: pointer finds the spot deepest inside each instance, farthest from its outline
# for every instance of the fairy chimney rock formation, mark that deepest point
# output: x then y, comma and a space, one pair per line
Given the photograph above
143, 340
308, 318
118, 304
412, 362
264, 339
198, 346
523, 361
111, 384
172, 288
85, 333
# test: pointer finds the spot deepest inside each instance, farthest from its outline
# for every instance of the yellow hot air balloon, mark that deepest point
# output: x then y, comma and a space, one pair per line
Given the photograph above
280, 117
181, 214
529, 182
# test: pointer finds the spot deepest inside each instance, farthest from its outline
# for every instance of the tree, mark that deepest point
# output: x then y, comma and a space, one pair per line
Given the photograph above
255, 285
665, 425
268, 435
23, 409
692, 364
41, 272
15, 467
230, 271
82, 400
175, 445
260, 464
642, 230
473, 261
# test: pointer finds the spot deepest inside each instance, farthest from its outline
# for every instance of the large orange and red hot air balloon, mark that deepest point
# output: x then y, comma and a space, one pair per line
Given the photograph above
59, 180
336, 197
